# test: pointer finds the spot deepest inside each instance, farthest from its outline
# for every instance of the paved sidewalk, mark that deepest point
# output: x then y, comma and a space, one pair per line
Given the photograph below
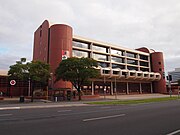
13, 103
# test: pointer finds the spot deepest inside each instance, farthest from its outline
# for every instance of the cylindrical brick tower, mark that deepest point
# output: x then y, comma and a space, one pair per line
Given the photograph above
60, 45
157, 65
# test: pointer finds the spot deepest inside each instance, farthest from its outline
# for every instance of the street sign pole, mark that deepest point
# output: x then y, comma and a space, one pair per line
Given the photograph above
169, 78
12, 83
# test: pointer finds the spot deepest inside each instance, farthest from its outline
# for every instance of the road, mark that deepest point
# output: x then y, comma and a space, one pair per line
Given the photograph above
142, 119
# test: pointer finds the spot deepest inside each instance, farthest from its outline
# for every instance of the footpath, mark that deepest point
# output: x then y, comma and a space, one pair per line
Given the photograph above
13, 103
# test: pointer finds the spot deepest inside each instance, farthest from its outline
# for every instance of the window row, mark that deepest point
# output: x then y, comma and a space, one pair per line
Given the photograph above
77, 53
108, 50
114, 66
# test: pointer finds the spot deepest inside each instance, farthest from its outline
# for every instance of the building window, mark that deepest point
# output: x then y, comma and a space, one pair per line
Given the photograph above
102, 64
77, 53
144, 69
133, 62
80, 45
132, 55
159, 63
118, 66
99, 49
116, 59
143, 57
146, 64
160, 69
117, 52
99, 57
132, 68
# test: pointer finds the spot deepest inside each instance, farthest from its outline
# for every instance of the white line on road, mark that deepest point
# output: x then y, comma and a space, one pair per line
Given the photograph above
106, 117
1, 115
9, 108
175, 132
64, 111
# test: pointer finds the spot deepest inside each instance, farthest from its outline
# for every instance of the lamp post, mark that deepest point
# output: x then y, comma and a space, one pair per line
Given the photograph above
29, 87
104, 80
51, 74
169, 78
115, 88
50, 86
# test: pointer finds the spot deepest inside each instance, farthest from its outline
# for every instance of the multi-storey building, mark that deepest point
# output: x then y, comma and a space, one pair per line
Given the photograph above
175, 74
122, 70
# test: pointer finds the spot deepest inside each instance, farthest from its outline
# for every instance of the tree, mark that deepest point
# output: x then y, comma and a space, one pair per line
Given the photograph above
18, 70
36, 71
77, 71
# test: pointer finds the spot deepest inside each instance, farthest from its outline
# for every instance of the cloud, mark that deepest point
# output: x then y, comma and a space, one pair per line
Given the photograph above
132, 24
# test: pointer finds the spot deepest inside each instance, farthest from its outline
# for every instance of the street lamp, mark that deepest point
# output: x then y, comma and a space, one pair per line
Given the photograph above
115, 88
29, 88
170, 79
51, 80
104, 80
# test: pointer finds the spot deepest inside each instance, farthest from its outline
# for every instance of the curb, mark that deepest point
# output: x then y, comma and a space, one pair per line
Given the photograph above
38, 107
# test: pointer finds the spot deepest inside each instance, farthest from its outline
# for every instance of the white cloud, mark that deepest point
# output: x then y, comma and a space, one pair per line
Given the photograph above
133, 24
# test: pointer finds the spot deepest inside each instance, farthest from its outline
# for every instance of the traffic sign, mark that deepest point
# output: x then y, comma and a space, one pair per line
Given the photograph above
13, 82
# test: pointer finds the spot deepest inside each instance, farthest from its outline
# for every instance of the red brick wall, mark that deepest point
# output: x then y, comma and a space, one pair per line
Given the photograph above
41, 42
60, 40
157, 64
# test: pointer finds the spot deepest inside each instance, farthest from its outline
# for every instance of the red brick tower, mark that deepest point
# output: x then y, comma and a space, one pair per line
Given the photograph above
157, 65
60, 45
51, 45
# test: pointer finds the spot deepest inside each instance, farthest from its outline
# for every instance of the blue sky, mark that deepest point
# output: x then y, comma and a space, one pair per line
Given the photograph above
151, 23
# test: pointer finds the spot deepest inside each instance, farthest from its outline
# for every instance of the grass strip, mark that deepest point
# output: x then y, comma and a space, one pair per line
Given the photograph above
125, 102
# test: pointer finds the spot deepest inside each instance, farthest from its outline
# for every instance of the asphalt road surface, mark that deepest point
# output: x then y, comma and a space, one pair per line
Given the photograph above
142, 119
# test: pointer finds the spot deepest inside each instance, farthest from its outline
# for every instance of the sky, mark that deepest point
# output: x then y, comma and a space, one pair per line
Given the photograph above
154, 24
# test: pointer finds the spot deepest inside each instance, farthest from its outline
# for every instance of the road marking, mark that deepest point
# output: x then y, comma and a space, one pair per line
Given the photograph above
10, 108
64, 111
106, 117
175, 132
1, 115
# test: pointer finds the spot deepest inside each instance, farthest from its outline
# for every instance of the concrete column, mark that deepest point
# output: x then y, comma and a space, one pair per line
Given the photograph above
125, 60
138, 62
91, 53
111, 88
92, 88
140, 88
127, 91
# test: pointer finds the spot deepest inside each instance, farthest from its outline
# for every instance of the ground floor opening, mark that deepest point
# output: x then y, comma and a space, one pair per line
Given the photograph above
111, 88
